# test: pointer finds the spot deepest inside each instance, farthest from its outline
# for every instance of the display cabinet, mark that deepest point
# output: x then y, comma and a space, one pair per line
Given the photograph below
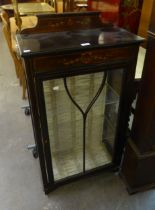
80, 74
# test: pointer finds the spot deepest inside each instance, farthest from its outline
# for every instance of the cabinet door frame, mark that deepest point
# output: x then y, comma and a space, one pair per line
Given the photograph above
125, 102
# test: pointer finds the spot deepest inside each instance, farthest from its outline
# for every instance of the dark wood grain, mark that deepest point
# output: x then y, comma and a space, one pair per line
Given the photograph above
75, 60
66, 21
139, 159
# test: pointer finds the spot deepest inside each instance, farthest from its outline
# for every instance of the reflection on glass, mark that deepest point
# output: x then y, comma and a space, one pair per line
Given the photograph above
65, 123
65, 130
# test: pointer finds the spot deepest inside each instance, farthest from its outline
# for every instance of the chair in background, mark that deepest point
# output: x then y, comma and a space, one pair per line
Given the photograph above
17, 61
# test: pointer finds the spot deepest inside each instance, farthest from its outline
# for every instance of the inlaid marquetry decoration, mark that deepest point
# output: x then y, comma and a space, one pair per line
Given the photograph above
81, 116
85, 58
78, 59
92, 57
69, 22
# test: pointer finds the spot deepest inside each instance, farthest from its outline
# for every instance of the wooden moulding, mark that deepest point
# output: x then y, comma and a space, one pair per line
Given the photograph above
82, 58
138, 169
66, 21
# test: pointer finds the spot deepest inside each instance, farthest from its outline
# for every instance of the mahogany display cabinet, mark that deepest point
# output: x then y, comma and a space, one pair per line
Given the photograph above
80, 75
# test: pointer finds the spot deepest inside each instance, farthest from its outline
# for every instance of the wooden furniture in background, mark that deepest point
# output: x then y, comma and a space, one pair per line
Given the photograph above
80, 5
27, 22
17, 60
31, 8
14, 24
3, 2
139, 159
103, 58
145, 18
68, 5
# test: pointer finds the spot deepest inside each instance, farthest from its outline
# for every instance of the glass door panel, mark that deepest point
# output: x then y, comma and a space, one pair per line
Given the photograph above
96, 151
113, 91
65, 130
81, 116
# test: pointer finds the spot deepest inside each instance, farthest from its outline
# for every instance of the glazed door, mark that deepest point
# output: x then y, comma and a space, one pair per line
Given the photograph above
81, 116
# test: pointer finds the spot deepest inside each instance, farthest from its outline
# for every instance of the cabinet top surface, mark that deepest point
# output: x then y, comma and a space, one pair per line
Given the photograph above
75, 40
